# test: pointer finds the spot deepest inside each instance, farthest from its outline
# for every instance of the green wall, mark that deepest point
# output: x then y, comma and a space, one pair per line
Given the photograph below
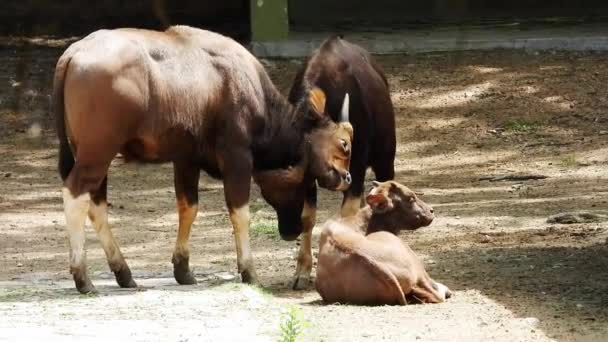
269, 20
312, 14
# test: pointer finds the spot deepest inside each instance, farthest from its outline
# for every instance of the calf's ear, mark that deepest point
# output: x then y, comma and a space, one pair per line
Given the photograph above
375, 200
317, 99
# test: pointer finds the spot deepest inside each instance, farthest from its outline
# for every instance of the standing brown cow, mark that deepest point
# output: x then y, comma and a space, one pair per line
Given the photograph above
201, 101
339, 67
362, 261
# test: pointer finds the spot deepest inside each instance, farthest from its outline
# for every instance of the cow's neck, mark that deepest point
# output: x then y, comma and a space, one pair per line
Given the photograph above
360, 220
281, 142
369, 222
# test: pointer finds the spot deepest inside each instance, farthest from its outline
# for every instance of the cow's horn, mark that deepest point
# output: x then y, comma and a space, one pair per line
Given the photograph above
345, 108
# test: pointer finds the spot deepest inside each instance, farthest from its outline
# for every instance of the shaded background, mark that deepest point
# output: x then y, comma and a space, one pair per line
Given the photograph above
231, 17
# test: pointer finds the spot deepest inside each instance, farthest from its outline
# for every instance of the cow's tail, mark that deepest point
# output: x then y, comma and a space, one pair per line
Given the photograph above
66, 157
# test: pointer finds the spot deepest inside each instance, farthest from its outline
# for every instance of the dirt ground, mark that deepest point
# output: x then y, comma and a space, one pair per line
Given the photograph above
461, 117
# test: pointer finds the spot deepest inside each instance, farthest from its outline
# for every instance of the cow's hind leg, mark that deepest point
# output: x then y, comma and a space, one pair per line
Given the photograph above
186, 179
98, 214
428, 291
304, 263
81, 180
383, 158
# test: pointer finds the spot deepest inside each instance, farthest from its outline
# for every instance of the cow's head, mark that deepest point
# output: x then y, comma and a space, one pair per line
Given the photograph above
330, 144
325, 159
399, 205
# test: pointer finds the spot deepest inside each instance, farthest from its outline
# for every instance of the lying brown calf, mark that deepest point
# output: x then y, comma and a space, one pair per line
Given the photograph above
362, 261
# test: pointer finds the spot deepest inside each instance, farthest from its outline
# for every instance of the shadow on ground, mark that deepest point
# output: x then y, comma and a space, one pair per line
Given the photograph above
555, 284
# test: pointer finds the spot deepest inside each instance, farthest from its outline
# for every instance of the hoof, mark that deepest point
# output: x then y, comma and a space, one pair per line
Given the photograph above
129, 284
301, 283
124, 278
249, 277
444, 291
186, 278
448, 294
85, 286
181, 270
82, 281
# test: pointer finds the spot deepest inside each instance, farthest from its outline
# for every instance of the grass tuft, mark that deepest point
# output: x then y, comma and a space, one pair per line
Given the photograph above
569, 161
523, 126
292, 325
264, 228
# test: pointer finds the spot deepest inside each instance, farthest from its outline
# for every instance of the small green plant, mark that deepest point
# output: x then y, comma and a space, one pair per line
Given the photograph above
264, 228
523, 126
569, 161
292, 325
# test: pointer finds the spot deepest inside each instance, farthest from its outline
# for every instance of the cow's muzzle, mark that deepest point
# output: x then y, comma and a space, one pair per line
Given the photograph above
290, 225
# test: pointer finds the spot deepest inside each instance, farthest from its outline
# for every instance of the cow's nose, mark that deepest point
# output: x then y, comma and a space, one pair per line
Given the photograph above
348, 178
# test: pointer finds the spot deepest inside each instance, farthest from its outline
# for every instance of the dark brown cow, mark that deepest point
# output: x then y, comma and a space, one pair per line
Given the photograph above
201, 101
362, 261
339, 67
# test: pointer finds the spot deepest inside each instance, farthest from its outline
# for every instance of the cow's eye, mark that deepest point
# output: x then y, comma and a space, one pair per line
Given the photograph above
344, 145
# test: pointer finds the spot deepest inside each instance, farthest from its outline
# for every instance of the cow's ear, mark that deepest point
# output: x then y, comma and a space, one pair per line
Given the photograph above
375, 200
316, 99
394, 190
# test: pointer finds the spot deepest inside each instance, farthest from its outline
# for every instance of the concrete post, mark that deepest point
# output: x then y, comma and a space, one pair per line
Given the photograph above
269, 20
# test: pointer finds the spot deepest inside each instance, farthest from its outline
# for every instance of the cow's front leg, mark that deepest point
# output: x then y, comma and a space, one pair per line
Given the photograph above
309, 217
237, 185
186, 177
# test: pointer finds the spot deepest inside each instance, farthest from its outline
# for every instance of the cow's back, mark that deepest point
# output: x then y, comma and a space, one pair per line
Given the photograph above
347, 273
168, 94
373, 115
340, 67
183, 71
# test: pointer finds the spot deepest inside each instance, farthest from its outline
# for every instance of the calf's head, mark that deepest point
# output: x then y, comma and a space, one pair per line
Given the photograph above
326, 153
400, 205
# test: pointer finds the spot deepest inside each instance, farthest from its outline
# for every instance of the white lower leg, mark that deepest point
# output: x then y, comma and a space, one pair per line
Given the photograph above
443, 290
98, 214
187, 215
240, 222
304, 266
75, 215
181, 254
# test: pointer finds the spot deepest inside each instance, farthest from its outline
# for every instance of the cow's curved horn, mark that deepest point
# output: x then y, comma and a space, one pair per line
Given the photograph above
345, 109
